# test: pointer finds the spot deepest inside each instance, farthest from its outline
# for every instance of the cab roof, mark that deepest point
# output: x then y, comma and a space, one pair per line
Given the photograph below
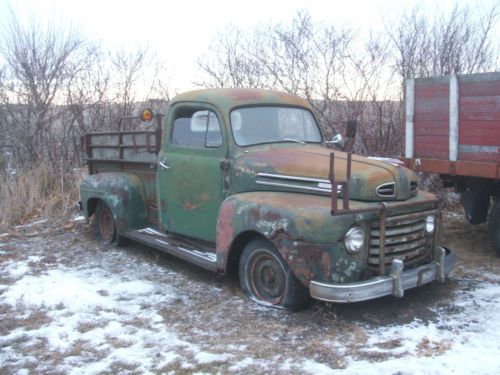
229, 98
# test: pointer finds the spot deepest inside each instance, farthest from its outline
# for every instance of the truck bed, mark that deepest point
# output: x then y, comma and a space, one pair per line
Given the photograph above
132, 152
453, 124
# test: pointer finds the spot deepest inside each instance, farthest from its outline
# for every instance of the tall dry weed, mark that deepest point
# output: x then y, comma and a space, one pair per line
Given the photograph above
44, 190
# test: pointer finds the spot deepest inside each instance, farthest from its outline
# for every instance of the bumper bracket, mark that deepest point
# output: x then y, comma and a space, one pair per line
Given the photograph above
393, 284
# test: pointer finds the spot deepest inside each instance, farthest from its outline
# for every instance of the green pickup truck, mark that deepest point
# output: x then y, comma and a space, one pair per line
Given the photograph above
237, 180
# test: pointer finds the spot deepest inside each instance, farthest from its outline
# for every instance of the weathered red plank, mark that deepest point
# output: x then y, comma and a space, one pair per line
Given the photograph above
480, 107
480, 124
475, 100
433, 131
480, 140
422, 105
479, 156
484, 88
440, 116
443, 125
430, 91
431, 155
431, 139
481, 116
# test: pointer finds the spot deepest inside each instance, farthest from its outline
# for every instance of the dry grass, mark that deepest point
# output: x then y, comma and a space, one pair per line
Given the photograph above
43, 190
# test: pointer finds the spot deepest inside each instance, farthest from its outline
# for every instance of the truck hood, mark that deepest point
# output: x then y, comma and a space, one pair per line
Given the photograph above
306, 168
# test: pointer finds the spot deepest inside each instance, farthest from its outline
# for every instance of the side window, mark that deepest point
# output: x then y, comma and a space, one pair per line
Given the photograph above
196, 128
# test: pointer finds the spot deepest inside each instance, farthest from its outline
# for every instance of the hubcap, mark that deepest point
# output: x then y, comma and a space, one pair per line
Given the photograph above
107, 225
268, 278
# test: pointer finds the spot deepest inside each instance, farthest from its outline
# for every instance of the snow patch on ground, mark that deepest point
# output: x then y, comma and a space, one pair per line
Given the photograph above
95, 311
30, 224
466, 343
97, 319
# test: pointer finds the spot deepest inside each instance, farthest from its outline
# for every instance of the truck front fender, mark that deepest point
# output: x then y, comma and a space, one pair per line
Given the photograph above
300, 227
123, 193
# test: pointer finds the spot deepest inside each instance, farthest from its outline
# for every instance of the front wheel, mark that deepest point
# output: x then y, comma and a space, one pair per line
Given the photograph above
494, 227
267, 279
105, 226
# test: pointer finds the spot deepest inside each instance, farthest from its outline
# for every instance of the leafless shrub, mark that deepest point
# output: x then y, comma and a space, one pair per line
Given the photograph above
39, 191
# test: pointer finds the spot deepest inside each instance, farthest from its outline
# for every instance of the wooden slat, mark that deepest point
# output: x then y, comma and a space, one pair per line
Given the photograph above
434, 131
479, 156
480, 139
478, 89
460, 168
432, 116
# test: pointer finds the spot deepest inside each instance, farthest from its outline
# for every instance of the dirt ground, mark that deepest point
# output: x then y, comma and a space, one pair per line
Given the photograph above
71, 305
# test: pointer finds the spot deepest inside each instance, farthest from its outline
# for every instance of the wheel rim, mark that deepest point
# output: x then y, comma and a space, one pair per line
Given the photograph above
267, 277
107, 225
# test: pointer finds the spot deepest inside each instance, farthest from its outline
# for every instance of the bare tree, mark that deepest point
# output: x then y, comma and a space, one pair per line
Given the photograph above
39, 60
300, 58
128, 66
232, 62
458, 42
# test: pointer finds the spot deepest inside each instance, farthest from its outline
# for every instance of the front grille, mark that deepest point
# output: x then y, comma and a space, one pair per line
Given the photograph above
386, 190
405, 239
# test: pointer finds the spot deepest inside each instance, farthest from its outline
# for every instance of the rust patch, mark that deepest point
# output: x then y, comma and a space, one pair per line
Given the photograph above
205, 197
225, 233
325, 264
189, 206
305, 259
255, 213
272, 216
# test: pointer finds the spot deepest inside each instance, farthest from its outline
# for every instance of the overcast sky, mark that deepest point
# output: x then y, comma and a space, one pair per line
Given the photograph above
181, 30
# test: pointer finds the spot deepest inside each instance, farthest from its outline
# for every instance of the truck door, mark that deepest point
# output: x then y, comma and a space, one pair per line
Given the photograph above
189, 171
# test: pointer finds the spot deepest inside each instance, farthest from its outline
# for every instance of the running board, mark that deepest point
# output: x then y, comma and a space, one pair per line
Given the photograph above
205, 258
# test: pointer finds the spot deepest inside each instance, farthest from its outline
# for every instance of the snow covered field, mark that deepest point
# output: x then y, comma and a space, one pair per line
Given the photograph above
70, 305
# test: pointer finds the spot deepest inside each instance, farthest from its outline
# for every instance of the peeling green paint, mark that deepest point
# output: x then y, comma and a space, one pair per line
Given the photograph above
123, 193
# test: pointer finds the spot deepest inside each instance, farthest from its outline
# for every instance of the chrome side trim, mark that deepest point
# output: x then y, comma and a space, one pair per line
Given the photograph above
301, 187
324, 186
294, 178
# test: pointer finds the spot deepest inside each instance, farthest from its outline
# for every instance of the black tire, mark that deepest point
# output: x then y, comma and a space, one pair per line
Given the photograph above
268, 280
494, 227
105, 226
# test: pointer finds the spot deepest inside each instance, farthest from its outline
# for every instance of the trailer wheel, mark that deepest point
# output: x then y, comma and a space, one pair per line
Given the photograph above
494, 227
268, 280
105, 226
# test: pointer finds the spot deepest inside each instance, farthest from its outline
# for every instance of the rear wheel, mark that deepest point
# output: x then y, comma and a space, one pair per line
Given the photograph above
267, 279
494, 227
105, 226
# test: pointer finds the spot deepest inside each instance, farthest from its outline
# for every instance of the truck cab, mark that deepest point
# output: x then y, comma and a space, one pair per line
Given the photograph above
238, 180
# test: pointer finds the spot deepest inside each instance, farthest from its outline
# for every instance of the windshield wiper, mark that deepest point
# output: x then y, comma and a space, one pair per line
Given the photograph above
290, 139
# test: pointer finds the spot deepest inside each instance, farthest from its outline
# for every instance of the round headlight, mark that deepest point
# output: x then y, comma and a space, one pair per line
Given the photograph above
354, 239
429, 224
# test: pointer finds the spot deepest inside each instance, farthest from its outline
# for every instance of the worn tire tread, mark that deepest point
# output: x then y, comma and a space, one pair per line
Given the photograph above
118, 240
297, 295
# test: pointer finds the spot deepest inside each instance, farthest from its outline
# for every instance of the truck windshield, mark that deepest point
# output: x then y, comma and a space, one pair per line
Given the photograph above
255, 125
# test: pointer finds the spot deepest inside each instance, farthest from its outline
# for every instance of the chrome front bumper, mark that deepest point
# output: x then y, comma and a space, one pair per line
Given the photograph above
395, 283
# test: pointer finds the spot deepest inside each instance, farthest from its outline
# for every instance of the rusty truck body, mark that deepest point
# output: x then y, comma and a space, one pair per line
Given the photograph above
242, 181
453, 128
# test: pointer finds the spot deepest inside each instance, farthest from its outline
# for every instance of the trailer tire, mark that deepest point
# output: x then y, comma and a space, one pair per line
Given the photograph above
268, 280
105, 226
494, 227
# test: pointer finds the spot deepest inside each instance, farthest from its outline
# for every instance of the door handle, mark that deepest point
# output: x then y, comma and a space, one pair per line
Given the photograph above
164, 164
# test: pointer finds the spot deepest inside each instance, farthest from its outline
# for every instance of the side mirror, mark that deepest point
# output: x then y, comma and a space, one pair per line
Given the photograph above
350, 130
337, 140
